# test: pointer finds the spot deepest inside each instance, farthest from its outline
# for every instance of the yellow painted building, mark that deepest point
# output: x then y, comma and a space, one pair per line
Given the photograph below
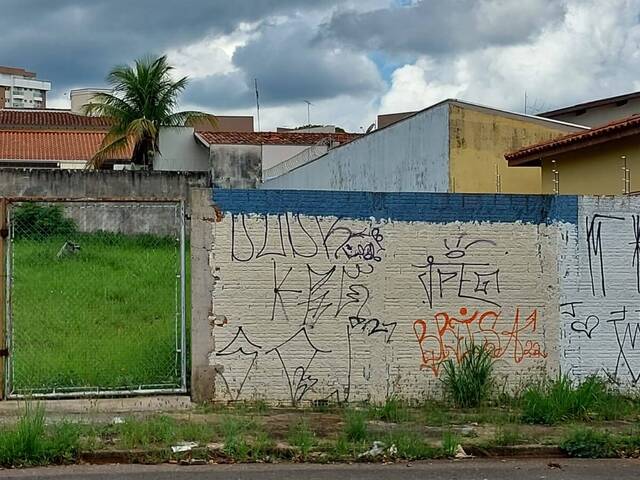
601, 161
478, 139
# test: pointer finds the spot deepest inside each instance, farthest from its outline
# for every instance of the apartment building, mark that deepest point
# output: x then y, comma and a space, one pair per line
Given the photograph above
21, 89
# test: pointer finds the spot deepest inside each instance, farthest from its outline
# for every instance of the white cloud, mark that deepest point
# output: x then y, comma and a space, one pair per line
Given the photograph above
350, 113
592, 53
211, 55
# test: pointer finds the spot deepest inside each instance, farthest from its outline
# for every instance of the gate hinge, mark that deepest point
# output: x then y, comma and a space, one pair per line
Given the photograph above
4, 232
4, 352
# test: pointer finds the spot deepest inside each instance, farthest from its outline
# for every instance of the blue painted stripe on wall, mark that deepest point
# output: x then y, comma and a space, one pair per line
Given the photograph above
408, 207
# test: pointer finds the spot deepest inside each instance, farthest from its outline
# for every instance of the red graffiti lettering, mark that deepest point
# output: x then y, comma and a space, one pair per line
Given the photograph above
447, 337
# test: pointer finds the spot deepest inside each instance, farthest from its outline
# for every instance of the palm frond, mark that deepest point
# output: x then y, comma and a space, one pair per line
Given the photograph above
190, 118
112, 147
143, 99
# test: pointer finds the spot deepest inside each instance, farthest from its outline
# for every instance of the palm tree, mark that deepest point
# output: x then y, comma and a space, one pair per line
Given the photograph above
142, 100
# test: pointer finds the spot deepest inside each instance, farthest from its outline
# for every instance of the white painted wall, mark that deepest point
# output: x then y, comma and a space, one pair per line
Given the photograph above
598, 116
412, 155
308, 308
179, 151
274, 154
600, 290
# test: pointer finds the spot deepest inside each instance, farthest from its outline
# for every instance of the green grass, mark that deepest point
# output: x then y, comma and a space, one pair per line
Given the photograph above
160, 431
102, 317
589, 443
469, 382
355, 425
554, 401
393, 410
302, 437
30, 443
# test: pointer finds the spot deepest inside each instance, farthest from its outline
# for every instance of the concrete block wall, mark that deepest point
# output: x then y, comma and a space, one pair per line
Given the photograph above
352, 296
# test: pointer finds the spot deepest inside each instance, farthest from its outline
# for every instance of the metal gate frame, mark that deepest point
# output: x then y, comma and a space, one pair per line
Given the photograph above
5, 298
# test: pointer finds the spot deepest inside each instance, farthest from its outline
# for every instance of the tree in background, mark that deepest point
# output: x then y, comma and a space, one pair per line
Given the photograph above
143, 99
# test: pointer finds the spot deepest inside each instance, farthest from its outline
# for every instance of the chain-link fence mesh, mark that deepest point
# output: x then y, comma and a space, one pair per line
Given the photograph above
94, 300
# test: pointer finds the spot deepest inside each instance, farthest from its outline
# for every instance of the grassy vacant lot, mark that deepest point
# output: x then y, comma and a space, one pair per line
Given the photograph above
103, 316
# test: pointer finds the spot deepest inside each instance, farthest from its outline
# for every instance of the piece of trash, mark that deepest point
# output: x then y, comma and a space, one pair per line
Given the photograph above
183, 447
69, 248
117, 420
393, 450
554, 465
215, 447
460, 453
377, 449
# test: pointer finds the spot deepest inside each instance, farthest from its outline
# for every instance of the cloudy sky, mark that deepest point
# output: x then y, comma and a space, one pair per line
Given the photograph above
352, 59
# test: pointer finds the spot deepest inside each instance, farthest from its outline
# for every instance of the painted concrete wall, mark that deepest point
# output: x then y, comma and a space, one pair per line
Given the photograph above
179, 151
594, 117
236, 166
479, 140
272, 155
359, 296
408, 156
94, 184
350, 296
595, 170
600, 290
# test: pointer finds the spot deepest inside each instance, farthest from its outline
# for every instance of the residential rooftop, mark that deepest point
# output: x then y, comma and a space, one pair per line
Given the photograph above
27, 118
272, 138
610, 131
52, 145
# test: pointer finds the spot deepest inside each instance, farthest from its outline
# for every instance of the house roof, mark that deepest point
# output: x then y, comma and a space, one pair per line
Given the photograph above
52, 145
621, 99
50, 119
611, 131
271, 138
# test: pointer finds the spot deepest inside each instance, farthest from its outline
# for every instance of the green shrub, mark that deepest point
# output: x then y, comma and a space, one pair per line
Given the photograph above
470, 381
559, 400
39, 221
589, 443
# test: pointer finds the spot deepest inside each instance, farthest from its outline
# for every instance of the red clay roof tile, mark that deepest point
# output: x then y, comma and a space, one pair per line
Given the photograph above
273, 138
50, 119
615, 127
51, 145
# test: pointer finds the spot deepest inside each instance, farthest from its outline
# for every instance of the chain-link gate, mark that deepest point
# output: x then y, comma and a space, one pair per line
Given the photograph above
95, 298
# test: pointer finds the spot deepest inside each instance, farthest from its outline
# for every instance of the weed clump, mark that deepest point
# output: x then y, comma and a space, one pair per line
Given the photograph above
29, 443
554, 401
470, 381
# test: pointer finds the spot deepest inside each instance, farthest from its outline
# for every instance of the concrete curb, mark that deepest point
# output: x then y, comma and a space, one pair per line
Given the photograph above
516, 451
86, 406
201, 455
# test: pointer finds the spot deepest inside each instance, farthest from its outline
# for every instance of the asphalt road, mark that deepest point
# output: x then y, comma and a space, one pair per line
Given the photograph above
446, 470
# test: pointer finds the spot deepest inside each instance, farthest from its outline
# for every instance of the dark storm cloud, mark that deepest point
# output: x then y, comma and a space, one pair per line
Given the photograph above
76, 42
290, 67
444, 26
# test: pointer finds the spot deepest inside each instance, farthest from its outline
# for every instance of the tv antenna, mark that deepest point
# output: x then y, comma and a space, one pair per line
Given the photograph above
308, 112
257, 103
